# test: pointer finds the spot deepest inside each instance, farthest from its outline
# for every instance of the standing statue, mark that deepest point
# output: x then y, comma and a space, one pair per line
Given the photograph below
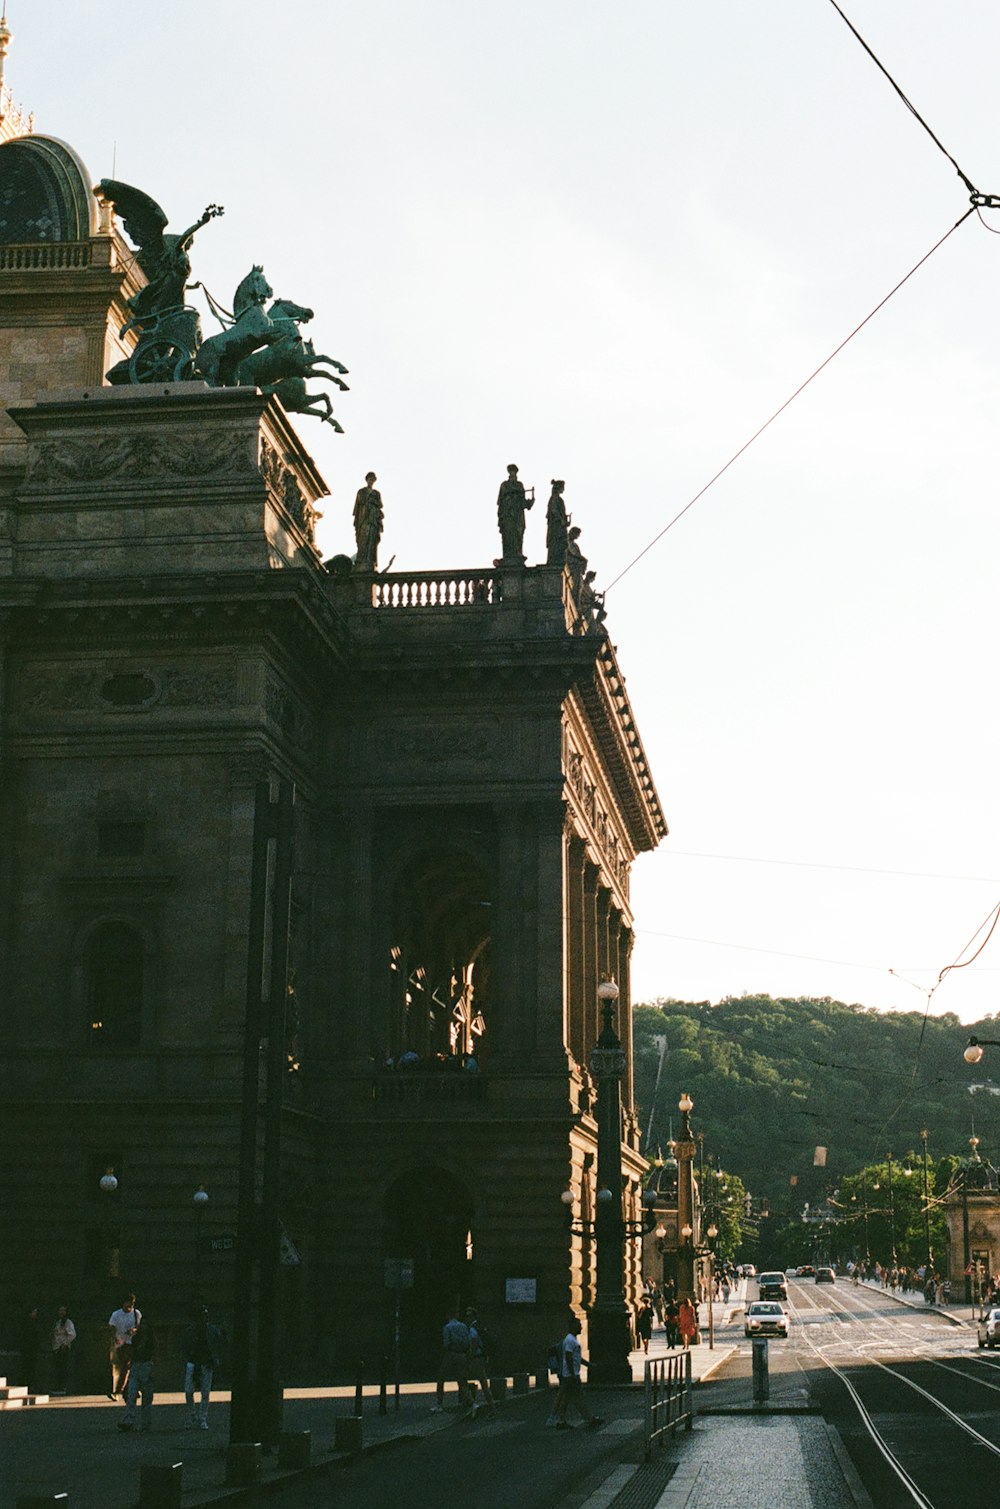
576, 561
556, 527
368, 518
511, 504
164, 259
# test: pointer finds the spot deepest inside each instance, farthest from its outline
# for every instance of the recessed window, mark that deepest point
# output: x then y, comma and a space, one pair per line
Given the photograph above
115, 967
121, 840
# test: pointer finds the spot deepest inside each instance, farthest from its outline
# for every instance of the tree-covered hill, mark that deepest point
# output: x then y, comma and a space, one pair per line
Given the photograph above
772, 1080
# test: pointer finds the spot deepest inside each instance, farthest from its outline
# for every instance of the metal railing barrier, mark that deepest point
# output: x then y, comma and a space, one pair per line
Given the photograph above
669, 1396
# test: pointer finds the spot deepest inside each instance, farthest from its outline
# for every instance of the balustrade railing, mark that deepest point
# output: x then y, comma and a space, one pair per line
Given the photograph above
436, 589
669, 1396
58, 255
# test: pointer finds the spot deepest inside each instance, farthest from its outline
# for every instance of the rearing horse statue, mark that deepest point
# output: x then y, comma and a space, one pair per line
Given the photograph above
219, 356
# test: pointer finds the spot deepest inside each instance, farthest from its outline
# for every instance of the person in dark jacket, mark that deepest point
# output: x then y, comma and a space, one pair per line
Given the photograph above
202, 1345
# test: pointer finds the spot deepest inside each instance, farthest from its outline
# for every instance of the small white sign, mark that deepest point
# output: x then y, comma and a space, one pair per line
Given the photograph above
521, 1291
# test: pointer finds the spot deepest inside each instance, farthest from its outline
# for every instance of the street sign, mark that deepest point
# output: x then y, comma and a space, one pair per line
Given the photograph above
399, 1273
222, 1243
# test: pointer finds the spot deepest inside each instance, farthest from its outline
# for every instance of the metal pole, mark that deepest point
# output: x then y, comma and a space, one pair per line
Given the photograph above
892, 1211
268, 1382
927, 1213
242, 1417
610, 1331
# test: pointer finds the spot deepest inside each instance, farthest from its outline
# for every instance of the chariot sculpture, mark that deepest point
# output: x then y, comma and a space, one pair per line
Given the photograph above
255, 347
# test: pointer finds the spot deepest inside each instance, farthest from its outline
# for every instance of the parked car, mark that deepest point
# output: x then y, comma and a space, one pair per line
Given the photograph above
988, 1329
772, 1286
825, 1276
765, 1318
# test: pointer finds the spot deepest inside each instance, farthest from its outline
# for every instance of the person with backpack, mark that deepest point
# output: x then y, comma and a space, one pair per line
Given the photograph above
482, 1345
571, 1383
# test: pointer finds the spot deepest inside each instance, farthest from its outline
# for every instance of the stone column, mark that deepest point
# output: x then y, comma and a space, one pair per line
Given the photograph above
576, 951
548, 1028
590, 962
363, 1026
507, 981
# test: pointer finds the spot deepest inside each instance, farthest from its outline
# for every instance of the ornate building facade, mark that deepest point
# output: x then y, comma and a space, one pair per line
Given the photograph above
470, 794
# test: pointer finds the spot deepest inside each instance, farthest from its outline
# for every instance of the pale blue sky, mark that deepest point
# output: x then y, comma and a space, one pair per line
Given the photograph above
606, 243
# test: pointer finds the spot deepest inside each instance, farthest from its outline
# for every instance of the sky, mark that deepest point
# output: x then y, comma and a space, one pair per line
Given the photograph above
607, 243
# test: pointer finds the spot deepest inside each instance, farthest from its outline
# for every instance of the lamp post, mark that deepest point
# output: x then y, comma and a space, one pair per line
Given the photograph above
928, 1255
892, 1211
712, 1234
199, 1200
684, 1150
610, 1338
108, 1185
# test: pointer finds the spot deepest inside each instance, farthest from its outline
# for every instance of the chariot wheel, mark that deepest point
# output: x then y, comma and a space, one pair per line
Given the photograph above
159, 360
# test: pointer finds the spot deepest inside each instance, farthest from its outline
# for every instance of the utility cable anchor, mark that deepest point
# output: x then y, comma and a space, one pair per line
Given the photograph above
984, 201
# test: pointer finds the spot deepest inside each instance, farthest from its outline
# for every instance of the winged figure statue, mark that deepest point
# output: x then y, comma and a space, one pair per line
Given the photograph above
163, 257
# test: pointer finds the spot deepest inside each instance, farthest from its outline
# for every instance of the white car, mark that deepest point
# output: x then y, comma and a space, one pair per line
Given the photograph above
765, 1317
988, 1329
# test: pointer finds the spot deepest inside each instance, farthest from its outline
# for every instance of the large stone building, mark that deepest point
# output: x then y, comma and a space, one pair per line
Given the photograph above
470, 793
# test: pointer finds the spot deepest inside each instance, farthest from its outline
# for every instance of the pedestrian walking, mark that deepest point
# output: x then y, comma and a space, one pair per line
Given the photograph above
671, 1323
63, 1337
142, 1348
644, 1325
202, 1346
122, 1323
481, 1347
456, 1348
571, 1383
687, 1322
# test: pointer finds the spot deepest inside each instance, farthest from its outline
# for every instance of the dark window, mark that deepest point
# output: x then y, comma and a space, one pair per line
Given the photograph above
114, 978
121, 840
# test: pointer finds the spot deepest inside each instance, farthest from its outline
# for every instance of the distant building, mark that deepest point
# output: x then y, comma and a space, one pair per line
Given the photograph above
470, 793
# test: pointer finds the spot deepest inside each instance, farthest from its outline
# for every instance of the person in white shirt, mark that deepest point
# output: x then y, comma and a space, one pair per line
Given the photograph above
63, 1337
123, 1323
570, 1383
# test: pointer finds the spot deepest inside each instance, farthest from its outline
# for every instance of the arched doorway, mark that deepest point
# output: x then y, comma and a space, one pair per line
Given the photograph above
429, 1219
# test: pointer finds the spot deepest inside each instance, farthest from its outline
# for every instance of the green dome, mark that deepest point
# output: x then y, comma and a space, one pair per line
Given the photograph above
45, 193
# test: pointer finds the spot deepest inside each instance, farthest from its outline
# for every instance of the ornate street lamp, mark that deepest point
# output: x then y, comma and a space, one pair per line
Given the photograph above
927, 1211
610, 1338
974, 1051
684, 1151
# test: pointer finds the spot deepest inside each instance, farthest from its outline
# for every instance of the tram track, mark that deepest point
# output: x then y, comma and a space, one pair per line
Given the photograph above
918, 1440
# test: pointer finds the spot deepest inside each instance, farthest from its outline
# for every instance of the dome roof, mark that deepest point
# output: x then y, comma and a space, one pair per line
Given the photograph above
45, 193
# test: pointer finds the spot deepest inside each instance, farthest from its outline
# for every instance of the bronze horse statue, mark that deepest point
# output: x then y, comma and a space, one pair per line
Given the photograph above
219, 357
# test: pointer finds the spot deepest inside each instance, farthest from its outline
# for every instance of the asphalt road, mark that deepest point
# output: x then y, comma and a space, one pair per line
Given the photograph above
914, 1400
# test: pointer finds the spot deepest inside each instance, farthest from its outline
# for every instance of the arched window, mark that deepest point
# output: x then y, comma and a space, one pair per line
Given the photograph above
115, 966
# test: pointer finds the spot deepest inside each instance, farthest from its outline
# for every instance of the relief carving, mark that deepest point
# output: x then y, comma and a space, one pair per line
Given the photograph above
284, 487
140, 456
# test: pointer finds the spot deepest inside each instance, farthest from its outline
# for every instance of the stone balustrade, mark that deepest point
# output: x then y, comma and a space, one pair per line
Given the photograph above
55, 255
436, 589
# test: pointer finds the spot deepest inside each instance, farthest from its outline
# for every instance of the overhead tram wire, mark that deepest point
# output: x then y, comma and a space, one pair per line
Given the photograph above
788, 401
979, 202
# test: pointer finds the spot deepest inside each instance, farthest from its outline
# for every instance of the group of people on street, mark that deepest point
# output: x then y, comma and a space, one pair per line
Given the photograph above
132, 1343
466, 1347
133, 1359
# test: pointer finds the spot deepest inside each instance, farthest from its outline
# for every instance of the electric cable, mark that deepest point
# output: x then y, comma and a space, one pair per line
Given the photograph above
778, 412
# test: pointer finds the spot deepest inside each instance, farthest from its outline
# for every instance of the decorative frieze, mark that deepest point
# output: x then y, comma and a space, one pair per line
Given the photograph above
137, 456
285, 490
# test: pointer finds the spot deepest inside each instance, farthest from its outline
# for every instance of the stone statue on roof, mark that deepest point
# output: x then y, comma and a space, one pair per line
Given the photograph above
512, 500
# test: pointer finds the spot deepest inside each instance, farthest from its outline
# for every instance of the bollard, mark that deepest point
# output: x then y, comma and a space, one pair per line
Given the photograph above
359, 1392
243, 1464
542, 1381
43, 1501
761, 1383
520, 1384
349, 1433
160, 1485
383, 1407
498, 1388
295, 1448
